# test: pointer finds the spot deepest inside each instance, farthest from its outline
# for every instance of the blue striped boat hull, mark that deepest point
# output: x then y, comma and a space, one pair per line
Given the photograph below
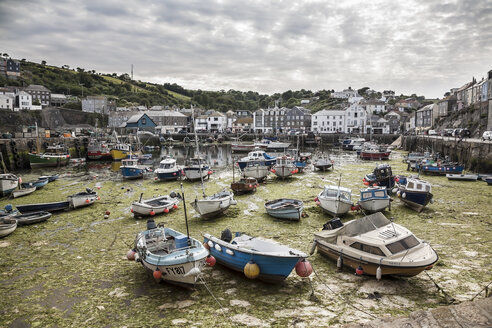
132, 172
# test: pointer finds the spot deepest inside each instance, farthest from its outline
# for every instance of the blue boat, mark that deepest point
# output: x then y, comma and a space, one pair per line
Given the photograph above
439, 167
40, 183
382, 176
415, 193
374, 199
50, 178
290, 209
130, 169
43, 207
256, 155
168, 170
257, 258
488, 180
171, 255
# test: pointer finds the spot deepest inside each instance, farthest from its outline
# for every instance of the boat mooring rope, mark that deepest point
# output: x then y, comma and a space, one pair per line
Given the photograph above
216, 300
347, 301
450, 299
486, 288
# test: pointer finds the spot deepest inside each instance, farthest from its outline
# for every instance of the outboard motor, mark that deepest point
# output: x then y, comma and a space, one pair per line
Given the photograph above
151, 224
226, 235
8, 208
173, 194
334, 223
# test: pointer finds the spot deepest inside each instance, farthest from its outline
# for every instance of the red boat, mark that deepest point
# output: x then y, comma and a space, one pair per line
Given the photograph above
375, 154
98, 150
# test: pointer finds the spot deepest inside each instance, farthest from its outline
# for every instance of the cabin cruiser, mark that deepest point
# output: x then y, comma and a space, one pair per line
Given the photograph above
256, 155
168, 170
335, 200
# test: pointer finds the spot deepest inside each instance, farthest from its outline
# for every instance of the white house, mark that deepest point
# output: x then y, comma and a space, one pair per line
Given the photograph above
214, 121
345, 94
375, 106
328, 121
6, 102
355, 118
23, 100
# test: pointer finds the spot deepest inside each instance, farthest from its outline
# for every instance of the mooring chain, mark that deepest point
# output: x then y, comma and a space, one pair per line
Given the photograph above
216, 300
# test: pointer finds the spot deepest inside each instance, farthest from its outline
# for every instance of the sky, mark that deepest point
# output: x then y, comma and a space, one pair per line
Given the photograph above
414, 46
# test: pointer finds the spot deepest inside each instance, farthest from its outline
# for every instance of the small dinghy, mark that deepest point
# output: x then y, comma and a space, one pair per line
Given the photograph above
244, 185
323, 163
374, 199
374, 245
154, 206
40, 183
215, 205
23, 192
31, 218
257, 258
290, 209
82, 199
7, 226
171, 255
8, 183
462, 177
50, 178
47, 207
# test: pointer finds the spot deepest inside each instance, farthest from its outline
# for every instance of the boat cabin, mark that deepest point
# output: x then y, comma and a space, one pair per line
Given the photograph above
122, 147
373, 193
284, 160
337, 193
129, 162
167, 163
196, 161
414, 184
383, 171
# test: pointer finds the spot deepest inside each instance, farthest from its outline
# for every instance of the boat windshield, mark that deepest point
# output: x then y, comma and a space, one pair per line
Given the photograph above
367, 248
333, 194
166, 166
403, 244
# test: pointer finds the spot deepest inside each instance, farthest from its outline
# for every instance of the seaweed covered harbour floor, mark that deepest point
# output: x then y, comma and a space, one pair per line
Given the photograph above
73, 271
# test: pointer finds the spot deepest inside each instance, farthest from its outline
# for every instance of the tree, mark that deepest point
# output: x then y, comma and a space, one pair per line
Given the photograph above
36, 102
43, 62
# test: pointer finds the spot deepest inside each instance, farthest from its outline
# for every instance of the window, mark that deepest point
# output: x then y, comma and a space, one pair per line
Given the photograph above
410, 185
216, 118
402, 245
144, 121
368, 249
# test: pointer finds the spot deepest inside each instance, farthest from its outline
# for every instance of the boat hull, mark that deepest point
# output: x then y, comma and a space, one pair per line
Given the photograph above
23, 192
440, 170
244, 186
323, 167
82, 199
281, 209
38, 183
193, 173
258, 172
46, 160
32, 218
141, 209
334, 207
370, 268
168, 176
208, 208
414, 199
118, 155
374, 205
45, 207
462, 177
273, 269
8, 185
284, 171
6, 229
375, 156
132, 172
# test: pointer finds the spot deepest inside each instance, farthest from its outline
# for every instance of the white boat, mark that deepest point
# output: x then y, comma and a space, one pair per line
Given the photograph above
171, 256
82, 199
335, 200
168, 170
376, 246
130, 169
374, 199
23, 192
462, 177
349, 144
276, 145
211, 206
284, 167
196, 169
7, 226
323, 163
155, 205
8, 182
256, 169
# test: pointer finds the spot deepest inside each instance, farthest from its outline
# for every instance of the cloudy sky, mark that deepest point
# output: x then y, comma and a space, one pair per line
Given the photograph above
419, 46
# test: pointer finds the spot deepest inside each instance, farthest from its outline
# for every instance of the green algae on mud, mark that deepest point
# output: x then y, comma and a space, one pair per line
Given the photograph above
72, 270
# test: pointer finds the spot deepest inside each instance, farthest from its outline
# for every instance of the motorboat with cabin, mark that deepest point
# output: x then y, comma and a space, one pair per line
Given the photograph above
335, 200
414, 192
168, 169
374, 199
284, 167
256, 155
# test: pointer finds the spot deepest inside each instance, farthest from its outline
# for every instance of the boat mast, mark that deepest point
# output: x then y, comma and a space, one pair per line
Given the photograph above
338, 193
198, 152
186, 215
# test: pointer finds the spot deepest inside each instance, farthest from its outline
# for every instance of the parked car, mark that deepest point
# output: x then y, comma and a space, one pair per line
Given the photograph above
183, 132
447, 132
487, 135
465, 133
432, 133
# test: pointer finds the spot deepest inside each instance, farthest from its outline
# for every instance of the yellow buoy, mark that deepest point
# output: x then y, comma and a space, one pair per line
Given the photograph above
251, 270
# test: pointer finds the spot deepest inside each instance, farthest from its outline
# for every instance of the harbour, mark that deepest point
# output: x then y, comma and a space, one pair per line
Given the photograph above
74, 266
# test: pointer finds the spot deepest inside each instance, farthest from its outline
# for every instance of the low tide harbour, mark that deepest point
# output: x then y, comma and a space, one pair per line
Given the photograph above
72, 270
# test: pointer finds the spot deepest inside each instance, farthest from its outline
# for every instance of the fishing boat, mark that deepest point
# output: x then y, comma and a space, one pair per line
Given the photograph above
256, 169
99, 150
82, 199
240, 147
50, 178
439, 167
349, 144
32, 218
256, 155
375, 153
120, 151
284, 167
130, 169
462, 177
257, 258
168, 170
8, 183
305, 157
374, 245
7, 226
214, 205
335, 200
382, 175
55, 155
77, 161
171, 255
323, 163
374, 199
196, 168
244, 185
414, 192
23, 192
154, 205
45, 207
40, 183
290, 209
